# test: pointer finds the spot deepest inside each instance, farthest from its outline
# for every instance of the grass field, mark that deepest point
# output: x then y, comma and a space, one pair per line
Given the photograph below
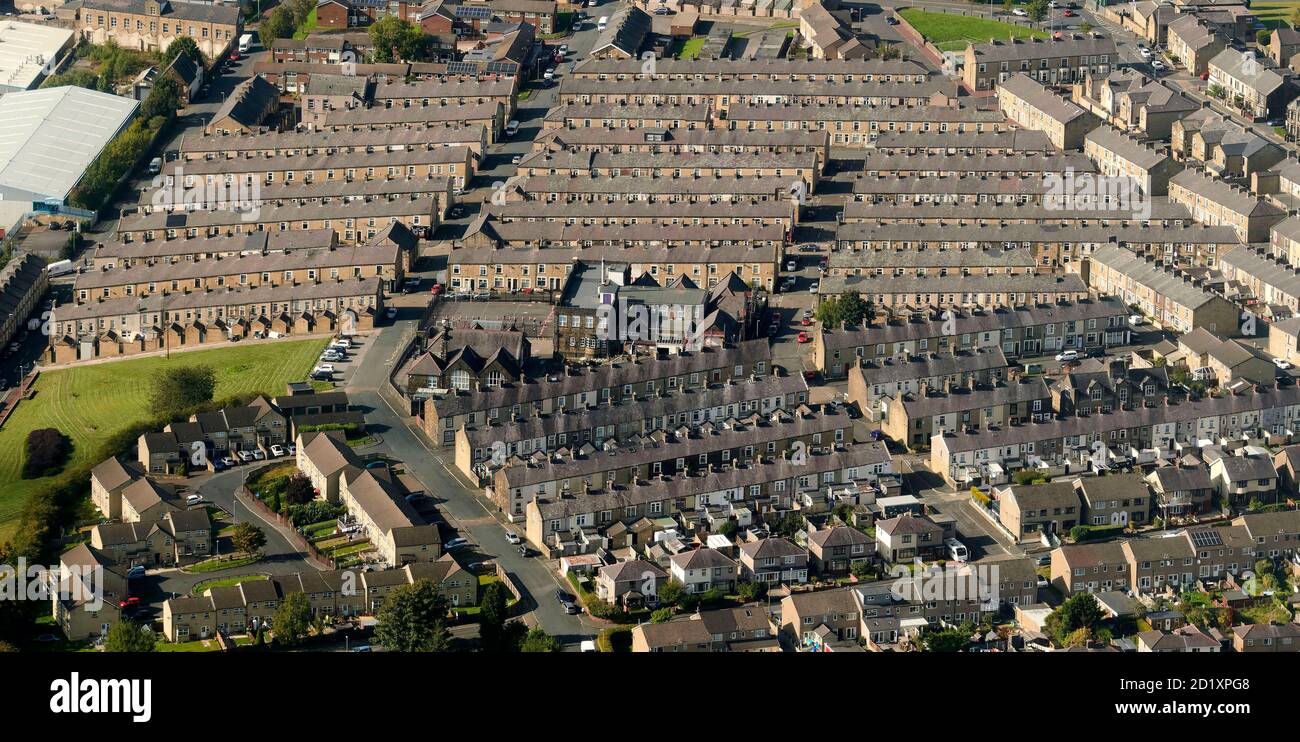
951, 32
1274, 14
90, 403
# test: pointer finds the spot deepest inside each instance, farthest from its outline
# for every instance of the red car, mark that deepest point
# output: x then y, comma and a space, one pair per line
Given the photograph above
129, 601
807, 322
234, 56
810, 375
1068, 13
804, 338
437, 289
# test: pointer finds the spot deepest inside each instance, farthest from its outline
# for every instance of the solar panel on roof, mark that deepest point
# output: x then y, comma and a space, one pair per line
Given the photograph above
175, 220
502, 68
1206, 538
473, 11
462, 68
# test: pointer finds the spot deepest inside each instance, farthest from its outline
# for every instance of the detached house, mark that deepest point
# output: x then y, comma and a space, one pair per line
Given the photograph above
702, 570
1181, 490
630, 584
906, 537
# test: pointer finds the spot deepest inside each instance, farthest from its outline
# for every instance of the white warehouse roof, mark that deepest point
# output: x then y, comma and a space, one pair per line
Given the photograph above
49, 137
25, 48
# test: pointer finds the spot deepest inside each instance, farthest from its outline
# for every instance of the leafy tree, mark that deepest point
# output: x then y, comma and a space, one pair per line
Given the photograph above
847, 308
176, 391
248, 538
728, 528
396, 40
298, 490
1007, 5
299, 10
493, 612
292, 619
47, 449
414, 619
1079, 611
751, 590
125, 636
1037, 10
671, 592
1085, 28
662, 615
862, 570
539, 641
1078, 638
888, 51
182, 45
789, 524
163, 100
278, 25
947, 640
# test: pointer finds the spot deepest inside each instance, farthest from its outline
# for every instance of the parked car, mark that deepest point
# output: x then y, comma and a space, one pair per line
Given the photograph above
805, 337
791, 265
135, 572
227, 461
391, 313
277, 450
515, 160
1067, 356
512, 538
345, 343
891, 21
525, 552
1282, 363
455, 543
410, 284
813, 288
244, 456
326, 368
1020, 12
436, 289
292, 449
259, 454
194, 499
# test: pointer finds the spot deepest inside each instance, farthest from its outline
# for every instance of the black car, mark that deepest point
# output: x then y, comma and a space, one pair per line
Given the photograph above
563, 597
1095, 352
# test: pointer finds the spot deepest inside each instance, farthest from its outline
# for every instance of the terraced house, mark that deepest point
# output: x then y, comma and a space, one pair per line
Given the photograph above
666, 452
1028, 330
575, 523
1056, 61
1033, 106
858, 126
479, 449
1119, 156
914, 419
152, 25
579, 388
129, 325
1159, 292
991, 454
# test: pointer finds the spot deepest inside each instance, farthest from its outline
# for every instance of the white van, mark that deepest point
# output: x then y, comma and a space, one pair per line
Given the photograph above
600, 24
245, 43
512, 128
59, 268
956, 550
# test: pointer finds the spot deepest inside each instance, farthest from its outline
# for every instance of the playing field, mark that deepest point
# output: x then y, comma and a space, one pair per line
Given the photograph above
90, 403
951, 32
1273, 14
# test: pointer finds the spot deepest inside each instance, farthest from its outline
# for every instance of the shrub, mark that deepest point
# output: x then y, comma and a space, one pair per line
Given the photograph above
47, 450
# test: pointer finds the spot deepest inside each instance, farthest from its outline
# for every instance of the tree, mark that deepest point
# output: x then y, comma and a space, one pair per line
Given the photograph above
1037, 10
751, 590
395, 40
843, 309
539, 641
493, 612
671, 592
1085, 28
182, 45
1079, 611
248, 538
291, 620
888, 51
278, 25
946, 640
178, 390
1007, 5
163, 100
47, 449
125, 636
661, 615
414, 619
298, 490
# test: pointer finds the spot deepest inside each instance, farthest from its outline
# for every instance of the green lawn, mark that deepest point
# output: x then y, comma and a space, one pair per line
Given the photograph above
951, 32
218, 564
224, 582
194, 646
307, 26
691, 48
90, 403
1274, 14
